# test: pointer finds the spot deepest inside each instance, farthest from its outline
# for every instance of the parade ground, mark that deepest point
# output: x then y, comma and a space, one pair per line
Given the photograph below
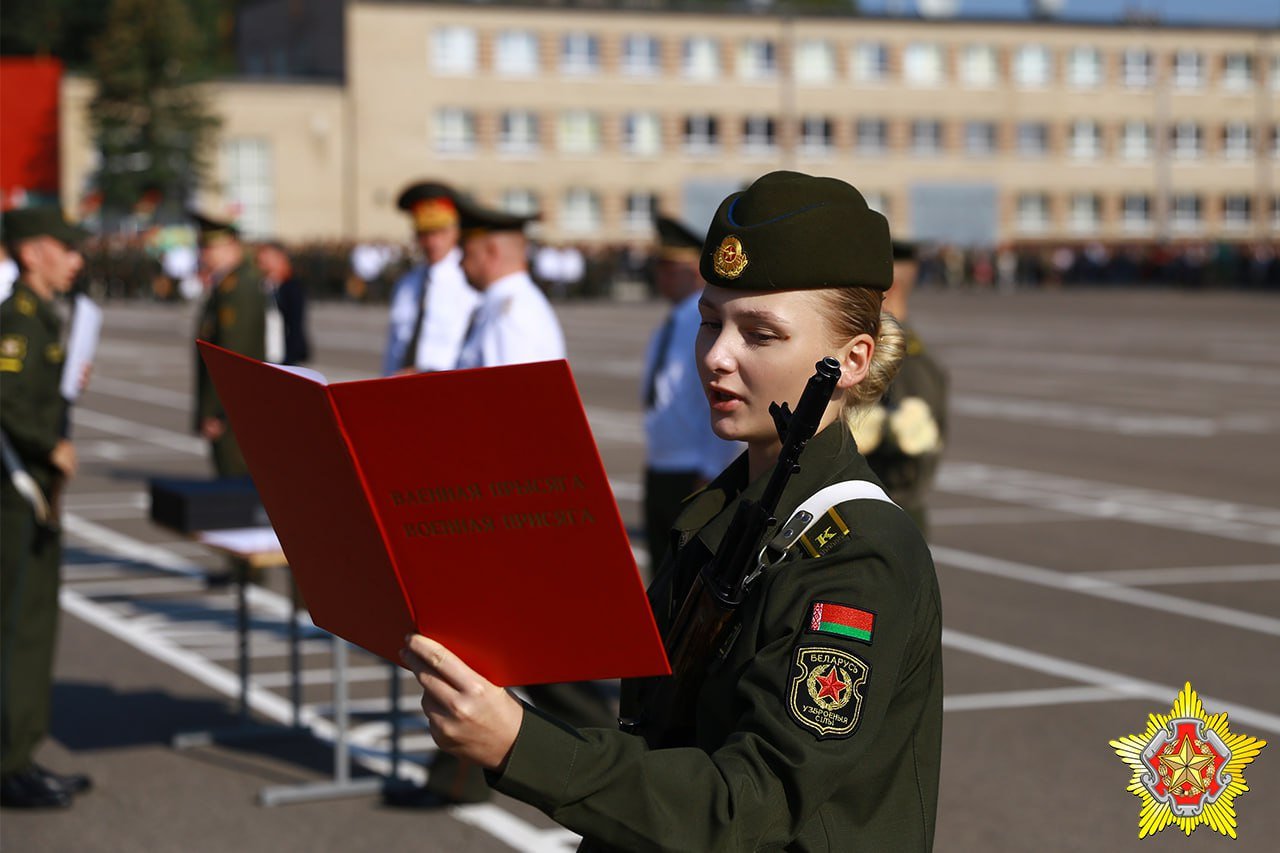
1106, 528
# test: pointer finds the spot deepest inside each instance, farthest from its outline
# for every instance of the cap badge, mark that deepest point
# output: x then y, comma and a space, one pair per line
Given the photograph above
730, 258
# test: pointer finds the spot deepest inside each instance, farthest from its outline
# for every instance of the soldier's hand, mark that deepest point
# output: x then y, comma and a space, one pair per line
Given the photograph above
212, 428
470, 716
85, 373
63, 458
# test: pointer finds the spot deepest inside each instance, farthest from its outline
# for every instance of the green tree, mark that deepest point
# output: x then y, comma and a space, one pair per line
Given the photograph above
151, 120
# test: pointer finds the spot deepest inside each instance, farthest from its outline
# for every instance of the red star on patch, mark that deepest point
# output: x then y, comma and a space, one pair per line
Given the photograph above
831, 685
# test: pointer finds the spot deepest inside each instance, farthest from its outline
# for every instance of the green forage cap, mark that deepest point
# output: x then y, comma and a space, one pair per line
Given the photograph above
29, 222
789, 231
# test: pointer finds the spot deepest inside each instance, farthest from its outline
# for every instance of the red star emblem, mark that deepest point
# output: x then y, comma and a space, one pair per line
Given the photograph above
831, 685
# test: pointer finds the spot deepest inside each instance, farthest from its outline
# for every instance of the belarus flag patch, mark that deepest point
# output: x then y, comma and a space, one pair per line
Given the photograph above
830, 618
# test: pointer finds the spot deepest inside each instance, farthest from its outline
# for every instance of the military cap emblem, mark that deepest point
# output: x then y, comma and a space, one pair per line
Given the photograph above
731, 258
826, 692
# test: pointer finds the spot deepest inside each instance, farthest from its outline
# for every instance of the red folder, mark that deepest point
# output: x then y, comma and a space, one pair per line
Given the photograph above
470, 506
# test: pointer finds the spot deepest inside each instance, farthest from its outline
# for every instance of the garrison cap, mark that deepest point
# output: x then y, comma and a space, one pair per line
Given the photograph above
212, 231
431, 205
29, 222
676, 242
789, 231
905, 250
474, 219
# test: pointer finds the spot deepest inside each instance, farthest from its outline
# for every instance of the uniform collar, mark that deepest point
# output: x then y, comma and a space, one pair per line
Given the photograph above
507, 285
830, 457
452, 259
44, 307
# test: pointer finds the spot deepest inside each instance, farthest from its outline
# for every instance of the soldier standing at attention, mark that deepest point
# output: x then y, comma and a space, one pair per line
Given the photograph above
431, 304
234, 316
818, 725
903, 437
32, 414
682, 454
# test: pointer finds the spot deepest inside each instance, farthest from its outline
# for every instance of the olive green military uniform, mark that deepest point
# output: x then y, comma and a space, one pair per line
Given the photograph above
906, 465
805, 739
234, 317
32, 412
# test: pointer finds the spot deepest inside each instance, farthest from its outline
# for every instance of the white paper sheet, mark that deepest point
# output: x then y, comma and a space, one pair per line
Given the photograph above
82, 342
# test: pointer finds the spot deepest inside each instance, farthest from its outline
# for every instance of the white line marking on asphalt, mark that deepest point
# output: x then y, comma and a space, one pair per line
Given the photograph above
1191, 575
1098, 418
1058, 361
1100, 588
961, 516
1135, 687
506, 827
167, 438
1031, 698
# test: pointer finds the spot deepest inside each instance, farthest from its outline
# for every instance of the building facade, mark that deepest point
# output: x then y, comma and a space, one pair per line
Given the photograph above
959, 130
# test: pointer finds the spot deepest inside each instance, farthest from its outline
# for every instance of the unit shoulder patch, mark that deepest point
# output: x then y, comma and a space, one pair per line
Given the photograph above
13, 349
827, 689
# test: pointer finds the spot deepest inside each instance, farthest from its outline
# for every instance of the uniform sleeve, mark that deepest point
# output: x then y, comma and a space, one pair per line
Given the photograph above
775, 770
21, 340
243, 322
524, 332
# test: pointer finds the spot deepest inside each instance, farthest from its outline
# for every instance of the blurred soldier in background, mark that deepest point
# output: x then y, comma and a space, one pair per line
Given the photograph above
287, 340
234, 317
38, 459
903, 436
431, 304
682, 453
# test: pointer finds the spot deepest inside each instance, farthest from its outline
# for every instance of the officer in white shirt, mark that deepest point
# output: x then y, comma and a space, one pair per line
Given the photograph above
514, 322
682, 453
431, 304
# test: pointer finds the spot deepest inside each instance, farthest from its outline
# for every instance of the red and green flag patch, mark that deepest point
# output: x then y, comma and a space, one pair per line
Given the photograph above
830, 618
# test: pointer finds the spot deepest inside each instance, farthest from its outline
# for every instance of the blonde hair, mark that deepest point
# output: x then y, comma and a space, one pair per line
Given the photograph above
857, 311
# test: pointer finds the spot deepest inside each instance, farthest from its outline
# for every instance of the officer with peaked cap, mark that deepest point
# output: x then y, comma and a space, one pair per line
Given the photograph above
514, 322
817, 722
682, 454
431, 304
39, 459
234, 316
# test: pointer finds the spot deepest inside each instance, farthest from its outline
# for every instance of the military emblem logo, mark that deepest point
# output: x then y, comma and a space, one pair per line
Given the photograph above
1188, 768
826, 690
731, 258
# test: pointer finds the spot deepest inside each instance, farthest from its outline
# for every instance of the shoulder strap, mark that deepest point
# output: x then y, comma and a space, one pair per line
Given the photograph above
816, 507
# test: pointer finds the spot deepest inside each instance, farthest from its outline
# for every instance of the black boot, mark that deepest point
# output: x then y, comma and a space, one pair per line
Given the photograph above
72, 783
29, 789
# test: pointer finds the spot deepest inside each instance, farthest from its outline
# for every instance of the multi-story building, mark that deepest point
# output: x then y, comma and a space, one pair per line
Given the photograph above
962, 130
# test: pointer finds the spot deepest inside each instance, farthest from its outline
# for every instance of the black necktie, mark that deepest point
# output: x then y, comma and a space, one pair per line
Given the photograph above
659, 361
410, 359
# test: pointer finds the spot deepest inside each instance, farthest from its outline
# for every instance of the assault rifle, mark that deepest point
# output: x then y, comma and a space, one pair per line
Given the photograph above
702, 627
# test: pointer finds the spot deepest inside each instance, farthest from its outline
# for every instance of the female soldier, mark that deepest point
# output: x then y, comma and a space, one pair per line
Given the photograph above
820, 728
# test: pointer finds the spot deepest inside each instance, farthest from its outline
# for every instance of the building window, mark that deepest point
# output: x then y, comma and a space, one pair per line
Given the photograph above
817, 136
926, 137
248, 175
815, 61
1275, 212
520, 201
579, 132
1135, 140
454, 131
757, 59
582, 211
701, 134
1135, 68
642, 134
641, 56
1033, 138
518, 132
700, 59
759, 136
516, 53
922, 65
1084, 68
1187, 141
1275, 141
1237, 140
1086, 213
640, 210
1237, 71
980, 138
870, 62
1033, 212
871, 136
453, 50
1275, 73
978, 66
1135, 212
1032, 66
579, 54
1186, 213
1188, 69
1086, 140
1237, 212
